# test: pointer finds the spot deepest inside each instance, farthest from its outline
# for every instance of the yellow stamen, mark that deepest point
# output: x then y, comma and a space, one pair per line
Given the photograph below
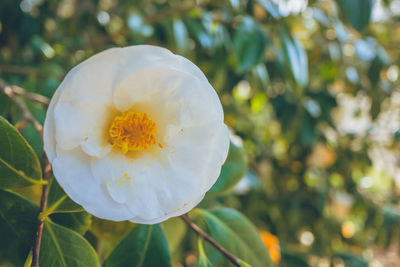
133, 131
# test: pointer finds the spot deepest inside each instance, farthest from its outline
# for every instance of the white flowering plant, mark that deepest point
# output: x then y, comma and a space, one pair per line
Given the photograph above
132, 134
199, 133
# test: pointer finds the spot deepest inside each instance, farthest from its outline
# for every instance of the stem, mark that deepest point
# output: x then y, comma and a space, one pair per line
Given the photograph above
206, 237
43, 204
52, 208
9, 91
169, 12
19, 70
29, 95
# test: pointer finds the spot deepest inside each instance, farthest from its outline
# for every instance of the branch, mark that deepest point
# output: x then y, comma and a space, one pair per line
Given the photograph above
43, 205
19, 70
169, 12
29, 118
9, 91
206, 237
29, 95
25, 94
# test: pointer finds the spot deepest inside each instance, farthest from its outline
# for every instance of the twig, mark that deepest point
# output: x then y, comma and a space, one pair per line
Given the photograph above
206, 237
29, 95
28, 117
8, 90
168, 12
19, 70
21, 124
16, 90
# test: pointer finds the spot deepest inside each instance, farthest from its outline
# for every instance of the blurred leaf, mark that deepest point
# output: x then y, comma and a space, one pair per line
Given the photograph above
236, 234
271, 7
295, 58
30, 133
64, 247
294, 260
180, 35
4, 105
58, 201
19, 165
77, 221
232, 171
18, 218
356, 12
34, 139
249, 44
109, 233
174, 230
352, 261
200, 34
307, 130
260, 76
391, 219
203, 260
144, 245
381, 60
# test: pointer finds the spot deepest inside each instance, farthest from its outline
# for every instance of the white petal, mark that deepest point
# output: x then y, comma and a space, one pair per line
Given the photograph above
182, 210
49, 130
85, 105
72, 171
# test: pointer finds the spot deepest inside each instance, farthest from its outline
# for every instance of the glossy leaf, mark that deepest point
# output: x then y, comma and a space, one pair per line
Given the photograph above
77, 221
237, 235
110, 233
174, 230
249, 44
59, 202
356, 12
19, 165
145, 245
232, 171
18, 218
295, 58
64, 248
203, 260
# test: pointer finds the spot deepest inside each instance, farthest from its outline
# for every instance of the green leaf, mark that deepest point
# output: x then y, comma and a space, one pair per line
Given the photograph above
270, 7
18, 218
232, 171
294, 259
64, 248
77, 221
145, 245
180, 35
4, 105
351, 260
109, 233
356, 12
19, 165
174, 230
236, 234
295, 58
249, 44
59, 202
203, 260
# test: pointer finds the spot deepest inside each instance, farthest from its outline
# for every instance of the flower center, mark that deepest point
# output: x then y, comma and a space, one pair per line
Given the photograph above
133, 131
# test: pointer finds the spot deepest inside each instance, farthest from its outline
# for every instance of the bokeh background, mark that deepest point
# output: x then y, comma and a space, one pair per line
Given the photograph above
310, 91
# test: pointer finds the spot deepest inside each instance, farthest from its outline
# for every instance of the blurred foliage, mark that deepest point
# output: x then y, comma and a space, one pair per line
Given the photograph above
309, 88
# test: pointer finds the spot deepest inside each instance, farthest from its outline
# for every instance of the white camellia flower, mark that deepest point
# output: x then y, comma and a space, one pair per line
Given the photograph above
137, 134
